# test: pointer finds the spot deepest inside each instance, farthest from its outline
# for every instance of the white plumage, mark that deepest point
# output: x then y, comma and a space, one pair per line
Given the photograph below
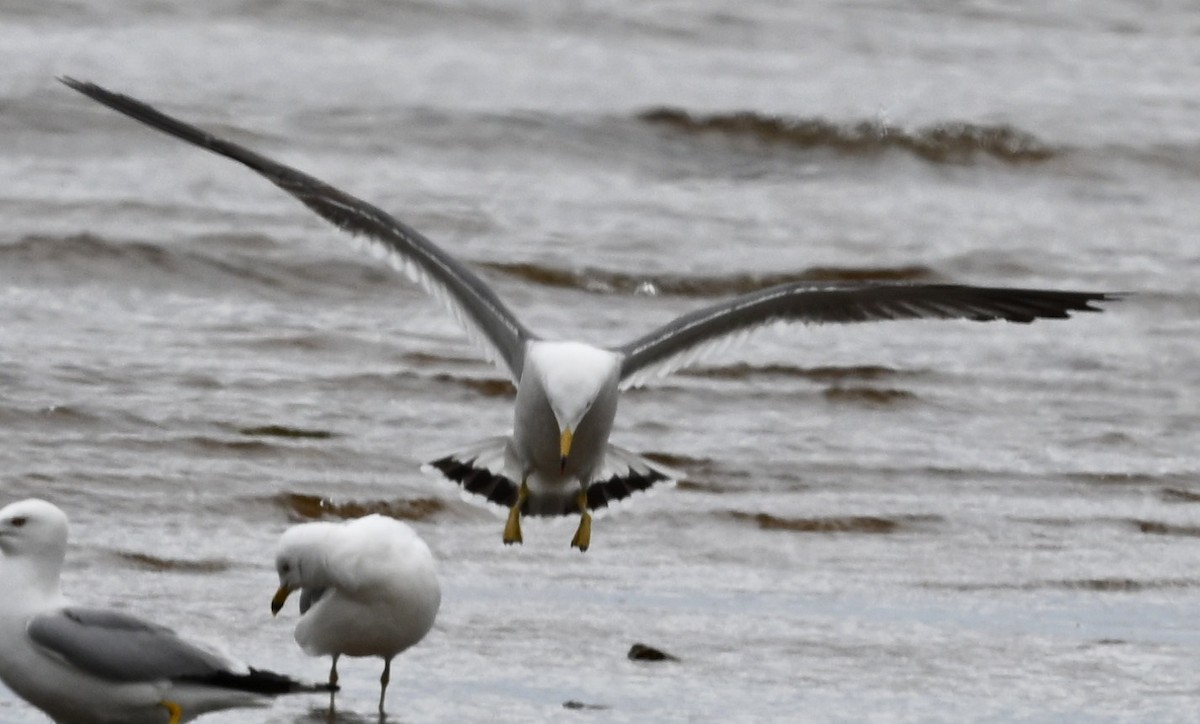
368, 587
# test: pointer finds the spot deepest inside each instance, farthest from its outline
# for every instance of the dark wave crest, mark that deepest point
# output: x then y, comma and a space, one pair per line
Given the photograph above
285, 431
949, 142
226, 261
873, 396
836, 524
1115, 584
147, 562
314, 507
827, 373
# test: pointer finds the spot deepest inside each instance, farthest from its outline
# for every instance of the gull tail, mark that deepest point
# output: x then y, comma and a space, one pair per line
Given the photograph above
623, 474
479, 469
258, 681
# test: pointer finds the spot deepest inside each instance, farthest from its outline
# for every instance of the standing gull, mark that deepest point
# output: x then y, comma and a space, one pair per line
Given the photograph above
83, 665
367, 588
557, 460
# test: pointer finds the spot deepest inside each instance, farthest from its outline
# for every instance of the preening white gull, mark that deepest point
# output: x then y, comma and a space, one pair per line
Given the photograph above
558, 459
368, 587
93, 666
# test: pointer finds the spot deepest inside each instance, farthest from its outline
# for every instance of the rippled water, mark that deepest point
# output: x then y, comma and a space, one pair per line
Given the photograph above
928, 521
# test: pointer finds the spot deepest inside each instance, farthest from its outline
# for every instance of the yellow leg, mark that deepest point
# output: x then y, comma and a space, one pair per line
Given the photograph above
174, 710
583, 534
512, 529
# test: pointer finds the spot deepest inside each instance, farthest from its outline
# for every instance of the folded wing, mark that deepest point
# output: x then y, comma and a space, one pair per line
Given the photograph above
121, 648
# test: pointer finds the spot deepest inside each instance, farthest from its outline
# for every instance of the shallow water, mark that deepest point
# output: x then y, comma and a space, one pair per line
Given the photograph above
923, 521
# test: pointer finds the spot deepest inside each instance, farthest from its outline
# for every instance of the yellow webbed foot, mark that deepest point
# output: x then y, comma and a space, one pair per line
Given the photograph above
583, 534
174, 710
512, 528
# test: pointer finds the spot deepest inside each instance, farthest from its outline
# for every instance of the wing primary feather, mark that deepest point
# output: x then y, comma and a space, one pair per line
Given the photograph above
695, 335
473, 303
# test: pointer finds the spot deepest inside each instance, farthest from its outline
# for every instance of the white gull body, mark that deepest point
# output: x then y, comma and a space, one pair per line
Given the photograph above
368, 587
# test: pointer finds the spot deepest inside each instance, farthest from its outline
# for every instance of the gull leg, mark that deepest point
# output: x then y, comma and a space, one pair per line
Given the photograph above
583, 534
383, 682
174, 710
512, 529
333, 680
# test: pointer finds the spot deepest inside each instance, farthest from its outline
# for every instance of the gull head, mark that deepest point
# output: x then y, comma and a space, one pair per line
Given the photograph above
33, 528
573, 376
299, 560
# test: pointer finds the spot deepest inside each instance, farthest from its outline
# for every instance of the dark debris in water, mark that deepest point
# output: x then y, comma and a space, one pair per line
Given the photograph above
148, 562
645, 652
833, 524
284, 431
314, 507
577, 705
949, 142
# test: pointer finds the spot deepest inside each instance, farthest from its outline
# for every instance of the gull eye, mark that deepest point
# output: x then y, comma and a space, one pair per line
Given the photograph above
284, 568
19, 521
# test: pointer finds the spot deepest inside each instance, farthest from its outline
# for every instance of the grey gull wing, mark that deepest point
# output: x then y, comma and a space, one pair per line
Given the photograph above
118, 647
697, 334
468, 297
308, 597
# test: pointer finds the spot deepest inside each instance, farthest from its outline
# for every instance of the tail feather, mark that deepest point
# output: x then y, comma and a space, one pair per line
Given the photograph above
625, 473
259, 681
478, 480
480, 470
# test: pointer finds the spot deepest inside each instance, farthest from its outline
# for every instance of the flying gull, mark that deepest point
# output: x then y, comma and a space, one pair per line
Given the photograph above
85, 665
367, 588
558, 460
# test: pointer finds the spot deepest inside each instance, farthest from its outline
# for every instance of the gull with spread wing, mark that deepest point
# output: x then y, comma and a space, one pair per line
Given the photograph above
558, 459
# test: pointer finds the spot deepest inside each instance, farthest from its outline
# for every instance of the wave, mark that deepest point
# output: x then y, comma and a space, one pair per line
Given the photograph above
1115, 584
827, 373
873, 396
285, 431
836, 524
1180, 495
226, 261
1154, 527
949, 142
88, 257
315, 507
145, 561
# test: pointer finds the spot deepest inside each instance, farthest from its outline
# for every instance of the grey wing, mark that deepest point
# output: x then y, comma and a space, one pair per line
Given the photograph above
308, 597
484, 316
119, 647
695, 335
